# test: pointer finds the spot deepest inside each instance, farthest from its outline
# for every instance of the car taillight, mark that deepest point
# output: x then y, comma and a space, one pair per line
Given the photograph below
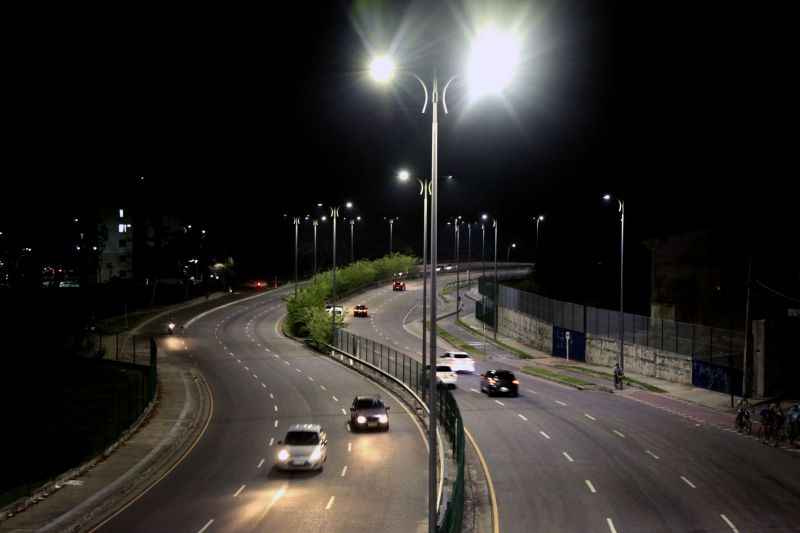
515, 382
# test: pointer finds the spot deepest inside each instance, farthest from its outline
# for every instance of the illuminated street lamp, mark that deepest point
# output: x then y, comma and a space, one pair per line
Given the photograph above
621, 282
334, 216
538, 219
491, 66
424, 191
508, 252
391, 224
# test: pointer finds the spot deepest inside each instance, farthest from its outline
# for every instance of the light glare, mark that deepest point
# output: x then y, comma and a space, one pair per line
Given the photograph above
493, 62
382, 68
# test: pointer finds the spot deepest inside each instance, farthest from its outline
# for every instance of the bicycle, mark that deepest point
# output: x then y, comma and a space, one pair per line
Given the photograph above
743, 424
618, 381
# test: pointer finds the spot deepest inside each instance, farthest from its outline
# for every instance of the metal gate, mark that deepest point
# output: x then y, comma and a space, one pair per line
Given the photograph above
569, 344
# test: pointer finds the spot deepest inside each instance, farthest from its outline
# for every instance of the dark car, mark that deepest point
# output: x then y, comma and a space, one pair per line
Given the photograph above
499, 382
360, 310
399, 286
369, 412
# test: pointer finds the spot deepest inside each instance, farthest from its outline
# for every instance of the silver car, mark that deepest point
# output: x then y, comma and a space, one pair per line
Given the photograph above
303, 448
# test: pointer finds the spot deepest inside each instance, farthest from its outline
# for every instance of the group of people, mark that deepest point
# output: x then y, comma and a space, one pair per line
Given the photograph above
772, 419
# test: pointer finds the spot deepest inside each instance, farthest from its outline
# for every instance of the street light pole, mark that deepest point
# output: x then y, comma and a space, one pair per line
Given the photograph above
538, 219
621, 278
334, 216
508, 253
296, 228
352, 229
496, 288
483, 246
458, 266
469, 252
391, 224
315, 223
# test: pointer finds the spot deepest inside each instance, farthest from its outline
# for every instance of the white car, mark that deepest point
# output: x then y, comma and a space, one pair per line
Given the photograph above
458, 361
444, 375
304, 448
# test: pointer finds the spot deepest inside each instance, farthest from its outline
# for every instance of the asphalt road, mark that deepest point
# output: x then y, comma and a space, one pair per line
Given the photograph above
562, 459
261, 383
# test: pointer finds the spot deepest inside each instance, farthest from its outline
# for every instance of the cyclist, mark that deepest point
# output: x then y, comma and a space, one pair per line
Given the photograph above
743, 414
767, 422
794, 422
618, 376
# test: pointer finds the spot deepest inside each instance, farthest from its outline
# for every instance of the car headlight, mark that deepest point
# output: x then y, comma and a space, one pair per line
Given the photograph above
361, 419
383, 419
316, 453
283, 455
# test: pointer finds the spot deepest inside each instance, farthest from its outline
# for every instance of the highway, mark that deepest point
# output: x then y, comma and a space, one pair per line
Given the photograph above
562, 459
260, 383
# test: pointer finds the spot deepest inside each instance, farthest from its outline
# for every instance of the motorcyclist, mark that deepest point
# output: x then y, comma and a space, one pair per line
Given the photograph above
171, 325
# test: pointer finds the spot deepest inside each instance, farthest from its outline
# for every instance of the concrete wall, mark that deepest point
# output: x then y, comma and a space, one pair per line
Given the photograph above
526, 329
599, 350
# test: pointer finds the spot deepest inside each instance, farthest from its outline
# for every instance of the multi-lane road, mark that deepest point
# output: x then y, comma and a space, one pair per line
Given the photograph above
261, 383
557, 458
561, 459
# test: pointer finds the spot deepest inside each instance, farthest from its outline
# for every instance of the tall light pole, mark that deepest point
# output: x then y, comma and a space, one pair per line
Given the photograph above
391, 224
496, 289
352, 230
424, 191
456, 225
334, 216
538, 219
469, 252
296, 229
486, 74
315, 223
483, 246
508, 252
621, 279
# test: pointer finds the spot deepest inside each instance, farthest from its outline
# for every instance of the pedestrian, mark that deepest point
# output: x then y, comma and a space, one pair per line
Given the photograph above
618, 374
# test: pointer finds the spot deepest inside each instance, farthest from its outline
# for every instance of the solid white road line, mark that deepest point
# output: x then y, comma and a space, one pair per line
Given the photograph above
688, 482
568, 457
652, 454
730, 524
589, 484
330, 502
240, 490
206, 526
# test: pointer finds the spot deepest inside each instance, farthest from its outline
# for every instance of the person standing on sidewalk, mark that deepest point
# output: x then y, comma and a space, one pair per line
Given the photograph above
618, 376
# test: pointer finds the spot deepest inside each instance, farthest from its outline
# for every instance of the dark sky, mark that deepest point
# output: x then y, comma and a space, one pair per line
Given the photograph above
240, 116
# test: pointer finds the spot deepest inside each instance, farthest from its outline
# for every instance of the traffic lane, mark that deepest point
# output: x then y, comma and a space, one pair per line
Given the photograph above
217, 493
687, 455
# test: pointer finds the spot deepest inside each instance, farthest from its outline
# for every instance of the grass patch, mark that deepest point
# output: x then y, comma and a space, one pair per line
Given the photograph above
519, 353
457, 342
609, 376
550, 374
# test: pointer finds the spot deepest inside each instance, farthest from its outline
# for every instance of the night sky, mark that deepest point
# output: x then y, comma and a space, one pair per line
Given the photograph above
236, 118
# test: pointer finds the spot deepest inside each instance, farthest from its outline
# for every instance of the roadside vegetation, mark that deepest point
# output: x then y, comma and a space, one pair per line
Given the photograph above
306, 316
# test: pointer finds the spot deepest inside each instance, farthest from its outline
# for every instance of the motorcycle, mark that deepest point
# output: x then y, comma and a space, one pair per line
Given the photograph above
171, 326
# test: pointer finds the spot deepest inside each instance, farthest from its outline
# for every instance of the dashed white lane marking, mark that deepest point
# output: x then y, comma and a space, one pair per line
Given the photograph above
276, 423
276, 408
261, 462
688, 482
322, 387
310, 378
263, 385
652, 454
298, 369
611, 525
475, 391
288, 363
239, 361
568, 457
330, 502
349, 446
589, 484
255, 376
335, 399
560, 403
545, 435
271, 397
618, 433
499, 402
240, 490
590, 417
271, 441
730, 524
344, 471
522, 417
206, 526
247, 368
532, 391
343, 411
